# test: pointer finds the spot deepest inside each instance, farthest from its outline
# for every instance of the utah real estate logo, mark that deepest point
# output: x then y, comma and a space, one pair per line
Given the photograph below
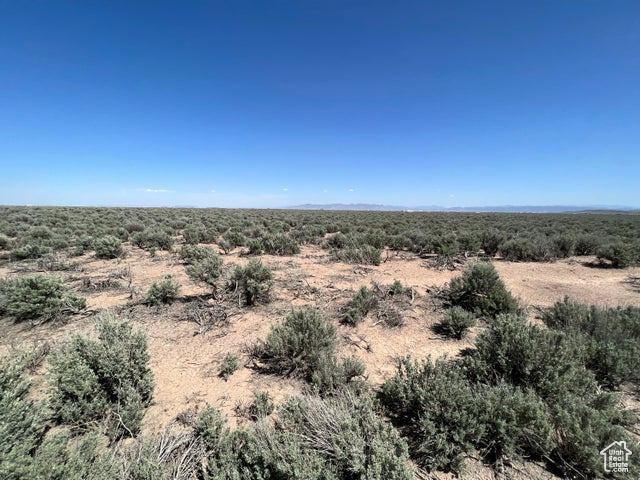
616, 457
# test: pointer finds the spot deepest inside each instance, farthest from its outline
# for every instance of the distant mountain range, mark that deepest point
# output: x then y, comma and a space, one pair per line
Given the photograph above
499, 208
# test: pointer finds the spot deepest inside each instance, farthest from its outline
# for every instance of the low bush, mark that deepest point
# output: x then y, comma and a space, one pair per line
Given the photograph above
315, 439
22, 419
229, 365
481, 291
563, 246
133, 227
490, 242
586, 245
611, 338
103, 382
252, 282
190, 254
551, 364
515, 423
277, 244
300, 344
262, 405
164, 291
83, 244
366, 255
619, 255
525, 249
108, 247
528, 356
433, 404
456, 322
358, 307
194, 234
153, 239
349, 435
30, 251
39, 299
205, 268
5, 242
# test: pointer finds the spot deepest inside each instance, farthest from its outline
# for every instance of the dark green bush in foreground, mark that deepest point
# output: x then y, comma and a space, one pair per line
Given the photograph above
105, 381
336, 438
38, 299
523, 392
297, 346
304, 346
610, 338
456, 322
481, 291
434, 405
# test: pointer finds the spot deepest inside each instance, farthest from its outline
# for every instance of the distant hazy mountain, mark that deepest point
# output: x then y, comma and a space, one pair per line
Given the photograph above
499, 208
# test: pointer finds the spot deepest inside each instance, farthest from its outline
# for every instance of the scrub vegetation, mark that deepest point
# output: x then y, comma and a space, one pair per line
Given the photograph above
549, 386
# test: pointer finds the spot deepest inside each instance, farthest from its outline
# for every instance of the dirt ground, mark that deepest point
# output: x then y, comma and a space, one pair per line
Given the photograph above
185, 362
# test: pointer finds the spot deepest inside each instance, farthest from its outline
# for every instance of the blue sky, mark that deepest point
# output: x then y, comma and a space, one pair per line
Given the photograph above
277, 103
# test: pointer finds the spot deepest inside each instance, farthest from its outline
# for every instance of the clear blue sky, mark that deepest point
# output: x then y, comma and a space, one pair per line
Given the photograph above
277, 103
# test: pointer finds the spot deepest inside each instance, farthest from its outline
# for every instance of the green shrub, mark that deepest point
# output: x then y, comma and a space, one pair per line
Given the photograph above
164, 291
358, 307
563, 246
39, 299
108, 247
618, 254
225, 246
515, 423
586, 245
22, 420
279, 244
194, 234
5, 242
52, 263
153, 238
262, 405
61, 457
456, 322
234, 238
316, 439
346, 430
229, 365
133, 227
481, 291
434, 405
105, 381
207, 268
30, 251
524, 249
83, 243
331, 375
528, 356
611, 338
490, 242
252, 282
190, 254
337, 241
300, 344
